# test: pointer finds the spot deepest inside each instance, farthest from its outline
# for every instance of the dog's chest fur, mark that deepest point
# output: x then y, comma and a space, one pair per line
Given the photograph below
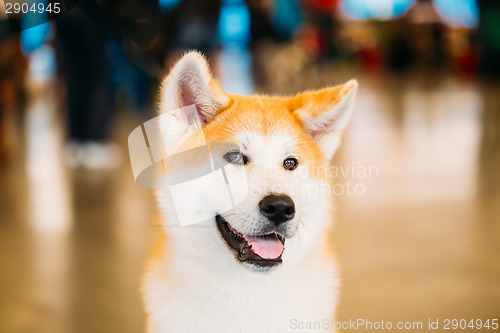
202, 299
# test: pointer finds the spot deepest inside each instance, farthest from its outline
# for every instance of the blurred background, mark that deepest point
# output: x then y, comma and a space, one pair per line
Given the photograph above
419, 239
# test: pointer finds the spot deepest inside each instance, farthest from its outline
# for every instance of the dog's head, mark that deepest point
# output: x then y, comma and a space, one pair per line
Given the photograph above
284, 145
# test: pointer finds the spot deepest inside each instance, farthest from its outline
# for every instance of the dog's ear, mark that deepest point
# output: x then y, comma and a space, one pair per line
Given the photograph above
190, 83
325, 113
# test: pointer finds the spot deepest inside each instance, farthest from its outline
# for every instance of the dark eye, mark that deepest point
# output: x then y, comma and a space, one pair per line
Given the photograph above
290, 163
235, 157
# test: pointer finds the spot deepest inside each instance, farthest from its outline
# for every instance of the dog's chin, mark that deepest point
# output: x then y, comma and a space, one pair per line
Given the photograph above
243, 252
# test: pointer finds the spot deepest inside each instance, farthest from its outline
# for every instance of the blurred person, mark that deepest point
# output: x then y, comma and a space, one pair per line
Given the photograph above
467, 54
427, 32
260, 22
397, 47
196, 25
489, 35
368, 52
261, 32
321, 18
13, 67
286, 18
192, 24
81, 38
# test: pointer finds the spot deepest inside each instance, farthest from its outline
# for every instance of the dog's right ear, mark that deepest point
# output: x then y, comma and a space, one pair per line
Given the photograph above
190, 83
324, 113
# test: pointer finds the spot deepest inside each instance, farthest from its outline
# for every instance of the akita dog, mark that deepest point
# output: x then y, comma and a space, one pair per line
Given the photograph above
267, 263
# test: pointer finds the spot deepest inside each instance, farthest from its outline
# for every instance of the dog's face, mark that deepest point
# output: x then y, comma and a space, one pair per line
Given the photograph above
284, 145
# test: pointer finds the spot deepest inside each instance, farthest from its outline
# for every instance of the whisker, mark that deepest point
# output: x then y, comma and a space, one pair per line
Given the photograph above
295, 138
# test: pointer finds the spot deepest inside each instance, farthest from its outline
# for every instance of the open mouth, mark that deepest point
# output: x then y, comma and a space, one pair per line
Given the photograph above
261, 250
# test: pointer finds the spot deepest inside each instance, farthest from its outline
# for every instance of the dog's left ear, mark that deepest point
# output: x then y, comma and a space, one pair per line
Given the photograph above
325, 113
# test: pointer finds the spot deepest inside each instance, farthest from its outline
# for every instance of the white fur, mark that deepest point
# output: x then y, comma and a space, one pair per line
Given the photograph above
213, 293
201, 287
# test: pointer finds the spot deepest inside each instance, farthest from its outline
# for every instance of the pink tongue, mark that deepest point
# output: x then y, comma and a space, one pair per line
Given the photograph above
266, 247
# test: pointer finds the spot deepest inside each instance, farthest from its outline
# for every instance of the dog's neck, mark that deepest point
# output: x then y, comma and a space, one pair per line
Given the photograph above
226, 291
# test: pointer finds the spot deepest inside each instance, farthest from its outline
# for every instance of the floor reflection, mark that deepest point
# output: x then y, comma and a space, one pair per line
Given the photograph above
424, 239
50, 196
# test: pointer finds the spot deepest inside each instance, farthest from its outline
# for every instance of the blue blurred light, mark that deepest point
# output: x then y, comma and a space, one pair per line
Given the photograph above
459, 12
235, 71
33, 38
169, 4
368, 9
234, 23
42, 65
34, 29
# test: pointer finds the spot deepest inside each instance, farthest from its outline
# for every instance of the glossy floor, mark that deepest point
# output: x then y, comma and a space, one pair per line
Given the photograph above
417, 219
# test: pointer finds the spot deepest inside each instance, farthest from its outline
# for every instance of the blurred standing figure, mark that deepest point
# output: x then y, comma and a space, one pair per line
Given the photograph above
489, 35
427, 34
324, 25
82, 41
13, 67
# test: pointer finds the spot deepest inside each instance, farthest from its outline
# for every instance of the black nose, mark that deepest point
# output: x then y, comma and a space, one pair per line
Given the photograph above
277, 208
